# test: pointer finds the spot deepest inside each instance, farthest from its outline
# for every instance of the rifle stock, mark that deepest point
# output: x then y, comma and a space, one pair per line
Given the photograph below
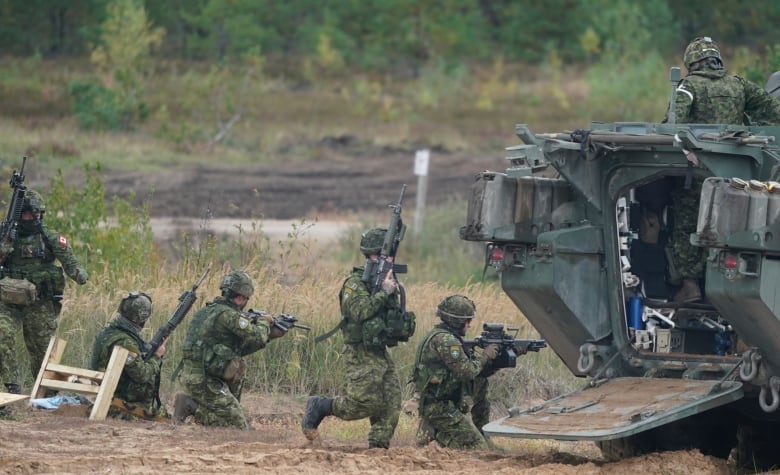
186, 300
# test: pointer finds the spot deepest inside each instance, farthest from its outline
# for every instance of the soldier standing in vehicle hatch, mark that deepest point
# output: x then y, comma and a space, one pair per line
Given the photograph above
708, 95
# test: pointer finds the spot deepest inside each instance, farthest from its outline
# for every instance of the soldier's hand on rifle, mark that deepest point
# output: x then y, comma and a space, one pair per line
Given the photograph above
276, 332
389, 285
491, 351
161, 350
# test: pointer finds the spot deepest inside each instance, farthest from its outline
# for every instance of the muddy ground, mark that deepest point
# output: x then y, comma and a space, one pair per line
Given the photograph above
345, 176
65, 442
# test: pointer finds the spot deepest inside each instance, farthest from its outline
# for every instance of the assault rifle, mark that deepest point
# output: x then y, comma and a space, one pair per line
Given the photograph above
283, 321
376, 272
186, 300
508, 346
9, 226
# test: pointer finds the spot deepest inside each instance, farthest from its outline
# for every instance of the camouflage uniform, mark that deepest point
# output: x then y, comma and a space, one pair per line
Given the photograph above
373, 389
446, 377
709, 95
712, 96
33, 257
140, 379
213, 366
689, 260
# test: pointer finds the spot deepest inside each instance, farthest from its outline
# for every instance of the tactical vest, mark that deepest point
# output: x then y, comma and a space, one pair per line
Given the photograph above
33, 259
392, 326
432, 379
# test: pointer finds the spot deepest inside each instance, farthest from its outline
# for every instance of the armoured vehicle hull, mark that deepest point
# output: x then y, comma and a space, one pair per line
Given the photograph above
586, 257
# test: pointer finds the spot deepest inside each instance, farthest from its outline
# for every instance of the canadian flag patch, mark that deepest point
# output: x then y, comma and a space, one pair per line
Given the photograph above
63, 241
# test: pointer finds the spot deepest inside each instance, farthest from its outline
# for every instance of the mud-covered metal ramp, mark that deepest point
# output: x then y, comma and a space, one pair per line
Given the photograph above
616, 408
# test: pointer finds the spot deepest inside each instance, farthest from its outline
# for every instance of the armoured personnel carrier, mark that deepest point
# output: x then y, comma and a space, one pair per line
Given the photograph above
582, 249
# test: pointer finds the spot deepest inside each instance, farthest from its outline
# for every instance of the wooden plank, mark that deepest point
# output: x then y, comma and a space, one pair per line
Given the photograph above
53, 355
8, 398
71, 371
110, 380
75, 387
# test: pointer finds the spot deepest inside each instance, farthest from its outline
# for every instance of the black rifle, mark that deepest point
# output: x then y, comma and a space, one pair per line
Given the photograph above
9, 227
283, 322
508, 346
376, 272
186, 300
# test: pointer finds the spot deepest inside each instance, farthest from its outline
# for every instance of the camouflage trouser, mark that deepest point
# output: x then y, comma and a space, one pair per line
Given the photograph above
38, 321
689, 260
217, 406
373, 390
453, 428
480, 409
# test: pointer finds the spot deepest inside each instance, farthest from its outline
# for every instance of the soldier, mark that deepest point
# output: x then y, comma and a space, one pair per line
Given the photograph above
30, 265
708, 95
139, 385
372, 389
218, 338
450, 382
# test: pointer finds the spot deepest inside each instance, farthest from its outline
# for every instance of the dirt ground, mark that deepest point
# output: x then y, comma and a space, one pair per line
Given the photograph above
346, 176
65, 442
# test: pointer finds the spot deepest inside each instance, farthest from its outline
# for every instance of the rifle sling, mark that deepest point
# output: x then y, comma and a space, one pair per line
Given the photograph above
332, 332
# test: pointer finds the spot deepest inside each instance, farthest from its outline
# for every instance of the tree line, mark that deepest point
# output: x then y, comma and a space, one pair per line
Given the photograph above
391, 35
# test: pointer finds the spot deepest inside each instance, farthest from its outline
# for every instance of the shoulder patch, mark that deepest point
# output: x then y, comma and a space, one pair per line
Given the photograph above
130, 358
62, 241
243, 323
455, 351
351, 285
347, 293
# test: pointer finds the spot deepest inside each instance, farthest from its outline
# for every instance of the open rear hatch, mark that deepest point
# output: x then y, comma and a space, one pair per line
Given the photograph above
617, 408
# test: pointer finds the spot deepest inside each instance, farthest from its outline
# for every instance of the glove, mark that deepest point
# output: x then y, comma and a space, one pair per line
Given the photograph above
410, 407
81, 276
491, 351
389, 285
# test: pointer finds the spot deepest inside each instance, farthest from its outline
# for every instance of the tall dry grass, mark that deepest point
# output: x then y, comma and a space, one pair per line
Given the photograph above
295, 364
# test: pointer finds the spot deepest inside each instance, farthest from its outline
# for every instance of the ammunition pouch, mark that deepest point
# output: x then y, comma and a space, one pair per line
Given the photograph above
396, 326
235, 369
17, 291
216, 360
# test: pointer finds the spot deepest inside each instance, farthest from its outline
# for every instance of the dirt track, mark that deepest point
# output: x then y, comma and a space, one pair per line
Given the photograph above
47, 442
346, 176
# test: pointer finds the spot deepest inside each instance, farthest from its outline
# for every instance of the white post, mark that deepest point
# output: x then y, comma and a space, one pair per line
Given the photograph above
421, 159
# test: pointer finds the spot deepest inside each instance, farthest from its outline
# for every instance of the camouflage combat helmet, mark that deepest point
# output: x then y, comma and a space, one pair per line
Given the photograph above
239, 283
136, 307
701, 48
33, 202
456, 310
371, 241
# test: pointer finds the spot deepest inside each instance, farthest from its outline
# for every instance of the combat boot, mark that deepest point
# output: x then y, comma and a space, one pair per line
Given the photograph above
317, 408
689, 292
183, 407
13, 388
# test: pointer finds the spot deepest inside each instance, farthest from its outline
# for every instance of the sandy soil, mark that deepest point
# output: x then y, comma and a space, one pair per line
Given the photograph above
64, 441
